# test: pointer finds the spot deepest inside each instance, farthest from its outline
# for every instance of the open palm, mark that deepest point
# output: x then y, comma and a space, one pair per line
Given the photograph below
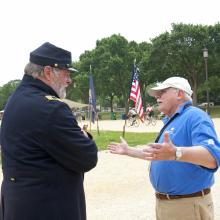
118, 148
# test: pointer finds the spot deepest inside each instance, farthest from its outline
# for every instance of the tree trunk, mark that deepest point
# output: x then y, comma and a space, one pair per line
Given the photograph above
194, 86
144, 96
111, 102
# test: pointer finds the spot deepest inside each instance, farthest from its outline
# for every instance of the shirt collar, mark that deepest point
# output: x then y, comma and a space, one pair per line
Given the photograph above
178, 111
183, 107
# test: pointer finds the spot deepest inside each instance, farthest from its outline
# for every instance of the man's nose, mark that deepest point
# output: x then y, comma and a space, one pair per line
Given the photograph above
69, 80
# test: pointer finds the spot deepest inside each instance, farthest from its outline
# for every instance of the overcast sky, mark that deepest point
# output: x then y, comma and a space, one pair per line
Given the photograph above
75, 25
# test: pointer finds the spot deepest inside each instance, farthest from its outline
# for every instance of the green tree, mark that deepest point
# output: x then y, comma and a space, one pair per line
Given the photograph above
179, 53
110, 68
6, 90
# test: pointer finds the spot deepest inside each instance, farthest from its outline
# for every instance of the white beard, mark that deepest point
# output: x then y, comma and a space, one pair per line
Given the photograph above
60, 90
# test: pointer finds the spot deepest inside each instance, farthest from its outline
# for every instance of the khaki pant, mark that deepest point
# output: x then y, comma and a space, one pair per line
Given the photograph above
195, 208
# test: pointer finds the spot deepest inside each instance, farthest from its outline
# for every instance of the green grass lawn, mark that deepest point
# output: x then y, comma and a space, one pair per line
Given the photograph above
132, 138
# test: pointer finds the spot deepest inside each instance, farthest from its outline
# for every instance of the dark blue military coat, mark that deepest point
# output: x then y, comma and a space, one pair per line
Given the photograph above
44, 156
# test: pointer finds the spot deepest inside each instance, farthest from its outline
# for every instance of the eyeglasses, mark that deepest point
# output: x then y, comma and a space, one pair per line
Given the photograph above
57, 70
161, 92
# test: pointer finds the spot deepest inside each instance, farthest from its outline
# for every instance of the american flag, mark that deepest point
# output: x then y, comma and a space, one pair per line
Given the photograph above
135, 94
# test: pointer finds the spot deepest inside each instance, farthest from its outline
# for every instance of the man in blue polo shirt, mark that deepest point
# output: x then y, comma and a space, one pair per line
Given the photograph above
183, 158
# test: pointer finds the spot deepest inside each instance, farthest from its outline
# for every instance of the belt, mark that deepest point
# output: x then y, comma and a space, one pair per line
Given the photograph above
162, 196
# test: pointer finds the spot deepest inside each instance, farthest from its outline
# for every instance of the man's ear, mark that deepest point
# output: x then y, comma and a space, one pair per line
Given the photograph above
47, 72
180, 95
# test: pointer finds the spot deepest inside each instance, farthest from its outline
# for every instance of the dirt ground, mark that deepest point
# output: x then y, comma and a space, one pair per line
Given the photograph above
119, 188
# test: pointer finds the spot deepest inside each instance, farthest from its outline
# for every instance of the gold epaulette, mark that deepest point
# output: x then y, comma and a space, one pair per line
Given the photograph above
53, 98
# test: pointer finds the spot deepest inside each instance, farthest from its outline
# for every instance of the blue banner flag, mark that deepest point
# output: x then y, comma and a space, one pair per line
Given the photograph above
92, 98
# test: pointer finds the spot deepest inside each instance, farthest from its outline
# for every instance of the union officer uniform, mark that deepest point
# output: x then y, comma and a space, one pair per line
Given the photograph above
44, 152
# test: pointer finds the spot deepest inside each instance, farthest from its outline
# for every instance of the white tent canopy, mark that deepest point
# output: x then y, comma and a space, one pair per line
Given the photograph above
73, 104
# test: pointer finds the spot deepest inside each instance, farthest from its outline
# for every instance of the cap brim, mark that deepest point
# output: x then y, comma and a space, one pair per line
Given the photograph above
154, 90
71, 69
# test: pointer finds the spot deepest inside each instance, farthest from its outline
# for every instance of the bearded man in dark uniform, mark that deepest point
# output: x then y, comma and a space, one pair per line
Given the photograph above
44, 152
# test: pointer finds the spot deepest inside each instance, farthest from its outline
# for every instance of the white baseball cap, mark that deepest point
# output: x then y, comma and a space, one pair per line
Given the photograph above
172, 82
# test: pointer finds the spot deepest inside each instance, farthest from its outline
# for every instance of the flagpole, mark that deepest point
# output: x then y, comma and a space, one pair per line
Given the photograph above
97, 119
126, 115
135, 94
90, 118
90, 112
92, 101
90, 109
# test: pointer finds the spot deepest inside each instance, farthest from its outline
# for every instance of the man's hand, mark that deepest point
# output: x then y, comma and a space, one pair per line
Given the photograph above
161, 151
85, 133
118, 148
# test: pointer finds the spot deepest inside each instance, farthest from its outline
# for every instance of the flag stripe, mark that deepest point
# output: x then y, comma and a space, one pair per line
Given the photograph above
135, 94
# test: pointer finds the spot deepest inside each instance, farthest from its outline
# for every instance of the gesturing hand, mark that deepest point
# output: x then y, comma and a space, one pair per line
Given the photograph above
118, 148
162, 151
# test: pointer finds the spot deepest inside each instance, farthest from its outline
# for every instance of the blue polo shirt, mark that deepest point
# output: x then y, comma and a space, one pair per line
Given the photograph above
191, 127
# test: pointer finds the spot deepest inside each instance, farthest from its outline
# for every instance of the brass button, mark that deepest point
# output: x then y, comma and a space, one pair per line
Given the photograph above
12, 179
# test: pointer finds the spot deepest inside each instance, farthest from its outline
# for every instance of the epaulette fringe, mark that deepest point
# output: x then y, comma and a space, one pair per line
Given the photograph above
53, 98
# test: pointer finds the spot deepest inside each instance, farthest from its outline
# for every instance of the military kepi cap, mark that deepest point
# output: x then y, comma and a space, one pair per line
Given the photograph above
50, 55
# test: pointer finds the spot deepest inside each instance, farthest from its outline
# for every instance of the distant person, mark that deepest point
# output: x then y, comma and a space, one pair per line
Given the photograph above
184, 157
113, 116
150, 111
132, 112
44, 152
83, 117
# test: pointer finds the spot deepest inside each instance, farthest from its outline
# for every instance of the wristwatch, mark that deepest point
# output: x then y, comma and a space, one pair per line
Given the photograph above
179, 153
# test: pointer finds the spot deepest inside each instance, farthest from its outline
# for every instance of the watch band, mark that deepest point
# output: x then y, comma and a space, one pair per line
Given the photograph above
178, 153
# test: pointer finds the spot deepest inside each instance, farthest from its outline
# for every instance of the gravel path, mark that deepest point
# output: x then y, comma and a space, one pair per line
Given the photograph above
119, 189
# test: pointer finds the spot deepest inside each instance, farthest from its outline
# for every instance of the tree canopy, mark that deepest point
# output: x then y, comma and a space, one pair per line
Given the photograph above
174, 53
